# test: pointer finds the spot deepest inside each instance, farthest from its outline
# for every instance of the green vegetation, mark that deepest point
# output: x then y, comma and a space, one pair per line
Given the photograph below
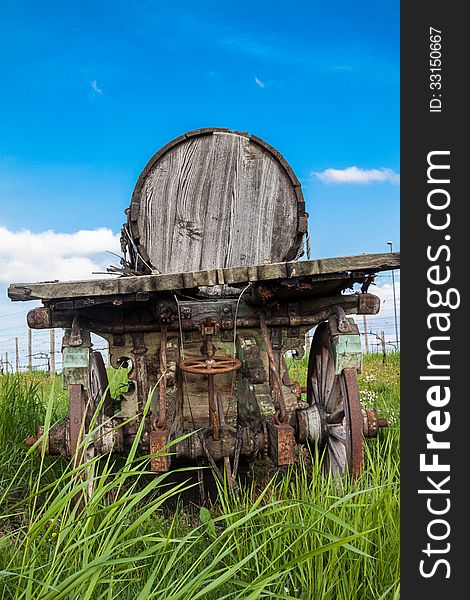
301, 536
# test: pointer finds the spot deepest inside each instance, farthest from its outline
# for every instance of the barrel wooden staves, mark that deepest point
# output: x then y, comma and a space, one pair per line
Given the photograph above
214, 198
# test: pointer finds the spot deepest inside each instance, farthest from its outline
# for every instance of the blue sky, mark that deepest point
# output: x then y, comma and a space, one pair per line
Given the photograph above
90, 90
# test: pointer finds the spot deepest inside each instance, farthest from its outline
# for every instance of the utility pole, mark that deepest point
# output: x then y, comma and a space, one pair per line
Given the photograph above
17, 356
6, 362
384, 352
394, 301
365, 333
52, 353
30, 349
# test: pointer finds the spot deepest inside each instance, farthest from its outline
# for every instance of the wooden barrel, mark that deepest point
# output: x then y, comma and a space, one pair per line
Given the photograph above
214, 198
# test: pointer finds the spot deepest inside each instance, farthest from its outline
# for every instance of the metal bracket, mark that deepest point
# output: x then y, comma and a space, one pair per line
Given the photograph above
342, 322
294, 314
209, 327
226, 312
158, 440
75, 338
276, 339
281, 443
185, 312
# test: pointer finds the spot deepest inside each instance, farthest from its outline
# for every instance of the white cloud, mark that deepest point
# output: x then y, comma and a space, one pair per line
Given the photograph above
385, 293
357, 175
385, 319
95, 88
27, 256
260, 83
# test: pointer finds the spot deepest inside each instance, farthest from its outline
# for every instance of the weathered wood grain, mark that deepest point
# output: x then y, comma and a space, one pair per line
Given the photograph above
368, 263
215, 198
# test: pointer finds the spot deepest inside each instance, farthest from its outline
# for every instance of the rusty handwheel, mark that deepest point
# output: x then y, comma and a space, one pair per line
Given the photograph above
210, 365
336, 396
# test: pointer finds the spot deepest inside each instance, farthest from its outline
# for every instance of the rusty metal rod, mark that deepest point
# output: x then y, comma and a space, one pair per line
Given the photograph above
213, 407
213, 416
162, 386
274, 370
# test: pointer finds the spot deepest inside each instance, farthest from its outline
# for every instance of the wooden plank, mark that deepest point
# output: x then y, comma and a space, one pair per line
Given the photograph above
369, 263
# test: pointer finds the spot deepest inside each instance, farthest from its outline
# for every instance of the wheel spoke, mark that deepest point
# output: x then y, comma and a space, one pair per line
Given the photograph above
330, 378
338, 432
337, 454
337, 416
335, 398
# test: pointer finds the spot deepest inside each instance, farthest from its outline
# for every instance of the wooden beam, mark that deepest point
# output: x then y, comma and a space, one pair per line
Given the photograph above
370, 263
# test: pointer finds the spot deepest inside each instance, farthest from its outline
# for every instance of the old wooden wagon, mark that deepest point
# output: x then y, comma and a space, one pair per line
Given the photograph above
209, 298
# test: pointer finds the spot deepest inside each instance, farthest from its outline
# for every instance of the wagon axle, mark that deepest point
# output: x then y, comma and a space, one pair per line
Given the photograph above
310, 425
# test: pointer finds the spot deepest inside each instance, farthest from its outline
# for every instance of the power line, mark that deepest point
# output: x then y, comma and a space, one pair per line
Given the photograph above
21, 312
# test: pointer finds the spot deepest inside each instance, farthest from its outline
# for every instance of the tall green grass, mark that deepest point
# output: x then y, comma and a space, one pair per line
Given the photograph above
301, 536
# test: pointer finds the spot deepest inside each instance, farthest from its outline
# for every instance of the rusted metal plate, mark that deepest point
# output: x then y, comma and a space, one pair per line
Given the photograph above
158, 441
281, 444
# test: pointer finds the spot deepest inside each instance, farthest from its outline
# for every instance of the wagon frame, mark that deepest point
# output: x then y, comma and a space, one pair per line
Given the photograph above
205, 348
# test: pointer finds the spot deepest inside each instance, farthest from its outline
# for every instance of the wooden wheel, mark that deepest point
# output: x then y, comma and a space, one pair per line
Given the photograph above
79, 418
337, 398
99, 384
82, 406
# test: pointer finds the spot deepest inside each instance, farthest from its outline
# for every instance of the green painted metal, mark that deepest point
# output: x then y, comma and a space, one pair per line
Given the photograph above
78, 356
347, 350
75, 365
